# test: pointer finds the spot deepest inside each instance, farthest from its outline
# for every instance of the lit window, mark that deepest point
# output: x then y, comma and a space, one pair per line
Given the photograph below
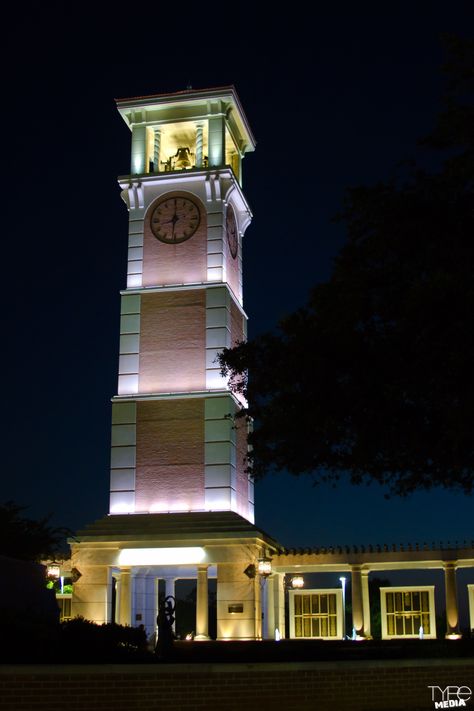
316, 614
408, 612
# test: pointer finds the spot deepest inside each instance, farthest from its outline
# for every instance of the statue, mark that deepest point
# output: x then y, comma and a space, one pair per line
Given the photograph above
165, 622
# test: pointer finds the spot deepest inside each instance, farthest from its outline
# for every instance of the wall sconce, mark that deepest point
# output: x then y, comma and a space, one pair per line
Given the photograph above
264, 567
53, 570
297, 582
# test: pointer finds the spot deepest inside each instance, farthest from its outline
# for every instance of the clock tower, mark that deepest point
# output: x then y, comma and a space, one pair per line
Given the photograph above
176, 445
181, 501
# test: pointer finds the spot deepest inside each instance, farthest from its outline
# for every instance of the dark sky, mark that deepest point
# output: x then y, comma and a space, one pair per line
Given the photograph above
336, 97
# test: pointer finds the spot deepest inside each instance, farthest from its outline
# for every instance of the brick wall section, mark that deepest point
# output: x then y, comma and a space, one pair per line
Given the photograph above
173, 342
336, 686
184, 263
170, 455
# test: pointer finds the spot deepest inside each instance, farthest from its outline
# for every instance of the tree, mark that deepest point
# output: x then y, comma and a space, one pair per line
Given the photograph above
374, 375
27, 539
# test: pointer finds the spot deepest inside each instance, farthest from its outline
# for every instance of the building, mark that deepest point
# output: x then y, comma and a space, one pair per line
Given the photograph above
181, 502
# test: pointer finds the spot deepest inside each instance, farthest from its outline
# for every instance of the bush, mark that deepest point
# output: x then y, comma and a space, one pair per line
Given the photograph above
84, 641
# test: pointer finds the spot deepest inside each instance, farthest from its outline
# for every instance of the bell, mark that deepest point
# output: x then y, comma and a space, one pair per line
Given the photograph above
183, 156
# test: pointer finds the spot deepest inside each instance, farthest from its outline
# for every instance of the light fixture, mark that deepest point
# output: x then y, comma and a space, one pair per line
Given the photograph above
53, 570
264, 567
297, 582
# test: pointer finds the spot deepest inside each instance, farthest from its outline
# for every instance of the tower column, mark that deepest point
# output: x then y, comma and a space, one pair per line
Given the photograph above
199, 145
202, 603
452, 613
156, 151
357, 602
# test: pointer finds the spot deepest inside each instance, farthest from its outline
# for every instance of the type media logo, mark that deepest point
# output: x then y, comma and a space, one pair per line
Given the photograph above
450, 697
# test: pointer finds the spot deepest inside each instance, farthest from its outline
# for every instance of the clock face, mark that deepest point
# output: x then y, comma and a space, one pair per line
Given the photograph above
174, 220
231, 231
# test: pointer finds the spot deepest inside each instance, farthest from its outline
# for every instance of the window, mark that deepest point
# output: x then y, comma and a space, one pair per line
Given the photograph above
406, 610
316, 614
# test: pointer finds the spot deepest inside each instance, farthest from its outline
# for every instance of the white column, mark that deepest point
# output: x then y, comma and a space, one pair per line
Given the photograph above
470, 592
169, 590
269, 608
357, 606
156, 150
279, 593
125, 599
452, 613
199, 145
366, 603
138, 599
257, 583
151, 604
202, 604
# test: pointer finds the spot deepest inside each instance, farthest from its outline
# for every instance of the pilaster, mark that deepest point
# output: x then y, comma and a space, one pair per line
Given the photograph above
202, 604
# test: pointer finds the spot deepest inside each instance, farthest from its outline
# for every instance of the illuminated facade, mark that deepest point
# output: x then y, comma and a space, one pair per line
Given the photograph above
175, 444
181, 503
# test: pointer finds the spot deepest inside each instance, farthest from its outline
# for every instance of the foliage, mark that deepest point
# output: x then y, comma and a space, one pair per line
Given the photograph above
25, 538
373, 376
54, 584
83, 640
27, 639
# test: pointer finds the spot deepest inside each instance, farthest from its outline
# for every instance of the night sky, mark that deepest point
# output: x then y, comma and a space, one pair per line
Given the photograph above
335, 98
